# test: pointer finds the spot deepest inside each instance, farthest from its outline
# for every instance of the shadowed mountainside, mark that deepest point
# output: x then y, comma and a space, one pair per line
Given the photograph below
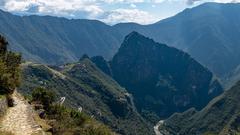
163, 80
220, 117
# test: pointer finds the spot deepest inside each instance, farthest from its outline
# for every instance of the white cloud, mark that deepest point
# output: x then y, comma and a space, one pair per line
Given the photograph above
89, 9
95, 9
122, 1
54, 7
133, 6
158, 1
128, 15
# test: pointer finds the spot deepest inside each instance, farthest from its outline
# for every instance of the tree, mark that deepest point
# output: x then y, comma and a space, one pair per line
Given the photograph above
4, 79
3, 45
9, 68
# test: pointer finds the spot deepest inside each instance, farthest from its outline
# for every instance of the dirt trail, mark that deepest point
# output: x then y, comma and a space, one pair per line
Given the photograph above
19, 119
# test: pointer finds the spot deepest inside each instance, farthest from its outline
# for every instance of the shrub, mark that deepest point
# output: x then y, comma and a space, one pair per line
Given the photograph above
57, 112
101, 130
71, 122
44, 97
65, 120
3, 45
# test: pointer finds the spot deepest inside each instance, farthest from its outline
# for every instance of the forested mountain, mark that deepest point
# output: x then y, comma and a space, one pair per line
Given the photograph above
84, 85
55, 40
163, 80
220, 117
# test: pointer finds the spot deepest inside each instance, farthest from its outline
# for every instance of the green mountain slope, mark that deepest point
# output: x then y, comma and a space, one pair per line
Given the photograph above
19, 117
55, 40
220, 117
84, 85
163, 80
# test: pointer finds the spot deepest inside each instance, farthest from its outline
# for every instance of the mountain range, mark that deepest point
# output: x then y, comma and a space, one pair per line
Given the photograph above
55, 40
148, 87
207, 32
129, 76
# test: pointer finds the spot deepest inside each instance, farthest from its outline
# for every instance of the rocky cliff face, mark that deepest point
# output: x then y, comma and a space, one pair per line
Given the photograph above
163, 80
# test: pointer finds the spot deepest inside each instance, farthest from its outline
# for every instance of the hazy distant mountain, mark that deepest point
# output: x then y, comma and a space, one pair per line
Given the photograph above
163, 80
84, 85
220, 117
209, 32
57, 40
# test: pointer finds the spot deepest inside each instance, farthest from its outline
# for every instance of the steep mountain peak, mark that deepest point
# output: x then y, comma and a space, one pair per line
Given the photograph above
148, 70
85, 56
133, 35
135, 39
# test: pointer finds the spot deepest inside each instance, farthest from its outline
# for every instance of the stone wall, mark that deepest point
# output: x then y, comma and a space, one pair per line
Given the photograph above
3, 105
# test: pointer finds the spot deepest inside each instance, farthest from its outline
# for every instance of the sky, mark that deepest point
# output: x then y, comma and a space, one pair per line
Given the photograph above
108, 11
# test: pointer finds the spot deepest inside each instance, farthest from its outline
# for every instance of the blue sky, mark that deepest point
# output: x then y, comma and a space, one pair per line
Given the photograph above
108, 11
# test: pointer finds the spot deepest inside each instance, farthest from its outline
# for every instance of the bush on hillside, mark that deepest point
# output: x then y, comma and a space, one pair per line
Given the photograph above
44, 97
72, 122
65, 120
3, 45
